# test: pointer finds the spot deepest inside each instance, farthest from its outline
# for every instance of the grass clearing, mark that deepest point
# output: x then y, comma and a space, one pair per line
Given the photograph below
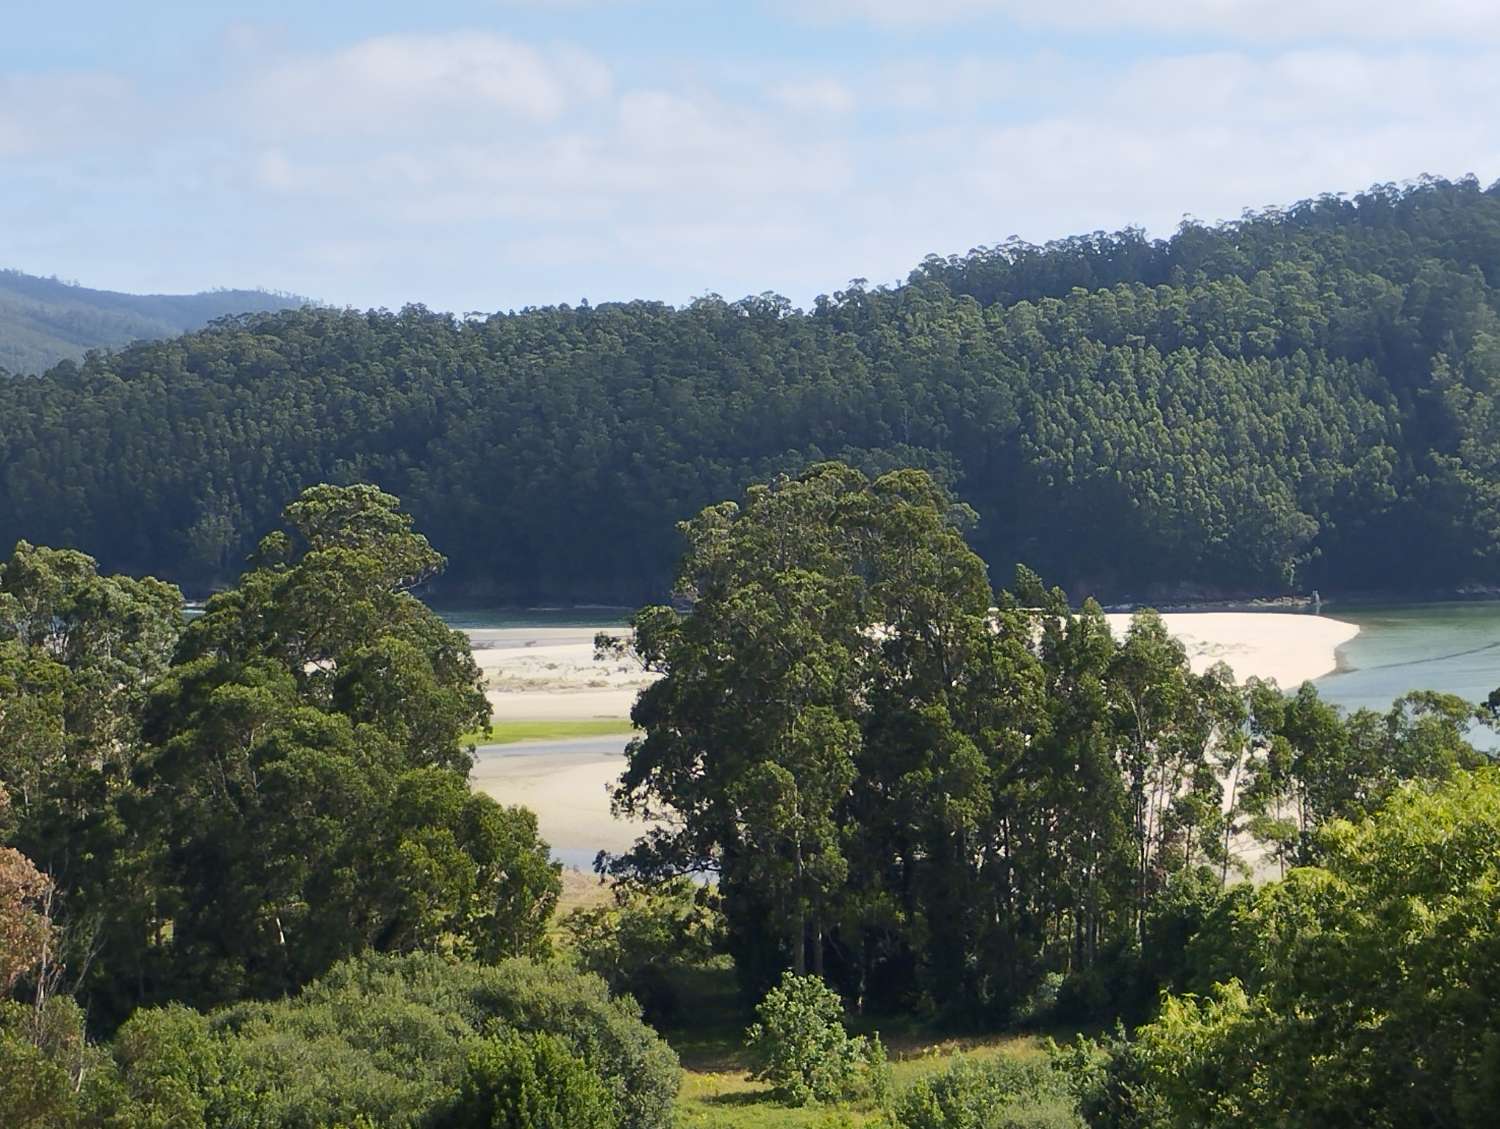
728, 1099
717, 1092
510, 732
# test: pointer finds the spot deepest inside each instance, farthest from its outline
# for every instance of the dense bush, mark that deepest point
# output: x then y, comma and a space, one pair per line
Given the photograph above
1364, 990
530, 1082
400, 1029
1004, 1094
395, 1042
804, 1051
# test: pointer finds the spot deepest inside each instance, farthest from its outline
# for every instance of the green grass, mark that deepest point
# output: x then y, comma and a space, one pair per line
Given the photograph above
727, 1099
509, 732
717, 1092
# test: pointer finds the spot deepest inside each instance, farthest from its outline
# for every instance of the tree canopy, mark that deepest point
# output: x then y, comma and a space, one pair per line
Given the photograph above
1301, 398
1365, 991
931, 800
224, 808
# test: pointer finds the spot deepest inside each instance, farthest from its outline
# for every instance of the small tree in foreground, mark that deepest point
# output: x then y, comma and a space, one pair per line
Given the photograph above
804, 1051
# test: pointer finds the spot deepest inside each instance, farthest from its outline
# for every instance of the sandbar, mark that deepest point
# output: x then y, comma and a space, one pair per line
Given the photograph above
552, 674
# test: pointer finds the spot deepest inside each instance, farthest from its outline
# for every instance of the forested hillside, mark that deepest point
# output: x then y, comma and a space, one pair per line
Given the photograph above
43, 321
1302, 398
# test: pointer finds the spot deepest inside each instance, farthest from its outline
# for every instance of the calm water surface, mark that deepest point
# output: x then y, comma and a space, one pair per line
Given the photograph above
1451, 647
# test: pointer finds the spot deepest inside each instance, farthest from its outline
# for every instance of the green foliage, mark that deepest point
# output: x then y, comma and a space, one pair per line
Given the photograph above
647, 935
1004, 813
804, 1051
226, 809
389, 1038
50, 1076
1365, 987
177, 1073
1002, 1094
79, 654
1301, 397
530, 1082
306, 773
401, 1043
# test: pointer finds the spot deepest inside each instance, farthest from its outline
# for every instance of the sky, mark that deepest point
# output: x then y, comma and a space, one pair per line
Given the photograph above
477, 155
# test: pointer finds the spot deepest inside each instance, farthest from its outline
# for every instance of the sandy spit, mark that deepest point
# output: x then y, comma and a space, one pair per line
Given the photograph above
1286, 646
551, 674
548, 674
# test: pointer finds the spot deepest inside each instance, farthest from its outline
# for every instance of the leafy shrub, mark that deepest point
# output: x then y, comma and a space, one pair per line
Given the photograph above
380, 1041
636, 944
50, 1076
530, 1082
1369, 987
1004, 1094
805, 1052
391, 1038
178, 1072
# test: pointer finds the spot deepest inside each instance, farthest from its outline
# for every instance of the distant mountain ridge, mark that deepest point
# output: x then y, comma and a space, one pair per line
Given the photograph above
45, 320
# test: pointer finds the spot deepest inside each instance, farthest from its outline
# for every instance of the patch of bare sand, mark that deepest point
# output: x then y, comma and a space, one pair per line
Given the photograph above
552, 674
566, 784
1288, 647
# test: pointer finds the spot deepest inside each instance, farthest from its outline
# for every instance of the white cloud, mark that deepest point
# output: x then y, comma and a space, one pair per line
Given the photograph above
814, 95
1211, 134
399, 82
654, 152
61, 112
471, 170
1252, 20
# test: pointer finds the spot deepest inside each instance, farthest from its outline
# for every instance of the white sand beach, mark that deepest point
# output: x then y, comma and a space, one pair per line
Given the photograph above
1289, 647
551, 674
566, 784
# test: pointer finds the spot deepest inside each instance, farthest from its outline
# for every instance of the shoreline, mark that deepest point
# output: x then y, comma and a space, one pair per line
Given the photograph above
1289, 648
551, 673
547, 673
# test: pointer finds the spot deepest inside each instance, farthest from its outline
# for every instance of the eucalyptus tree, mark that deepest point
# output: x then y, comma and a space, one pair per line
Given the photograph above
305, 782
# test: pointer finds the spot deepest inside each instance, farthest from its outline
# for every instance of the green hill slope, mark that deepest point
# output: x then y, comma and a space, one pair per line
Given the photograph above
1302, 398
43, 321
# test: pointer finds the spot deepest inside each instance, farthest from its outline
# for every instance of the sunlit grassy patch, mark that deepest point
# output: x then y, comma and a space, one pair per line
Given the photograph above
510, 732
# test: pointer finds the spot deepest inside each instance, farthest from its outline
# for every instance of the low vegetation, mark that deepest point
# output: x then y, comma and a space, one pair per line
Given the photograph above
513, 732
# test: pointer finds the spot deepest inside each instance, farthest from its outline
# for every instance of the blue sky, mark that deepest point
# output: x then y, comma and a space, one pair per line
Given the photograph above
491, 154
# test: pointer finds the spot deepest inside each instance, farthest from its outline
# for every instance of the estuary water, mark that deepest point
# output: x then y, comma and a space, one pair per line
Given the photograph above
1452, 647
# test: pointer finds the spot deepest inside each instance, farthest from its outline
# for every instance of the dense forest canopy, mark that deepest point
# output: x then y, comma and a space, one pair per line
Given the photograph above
1301, 398
44, 321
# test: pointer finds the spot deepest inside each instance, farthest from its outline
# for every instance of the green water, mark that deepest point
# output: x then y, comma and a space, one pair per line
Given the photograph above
1452, 647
